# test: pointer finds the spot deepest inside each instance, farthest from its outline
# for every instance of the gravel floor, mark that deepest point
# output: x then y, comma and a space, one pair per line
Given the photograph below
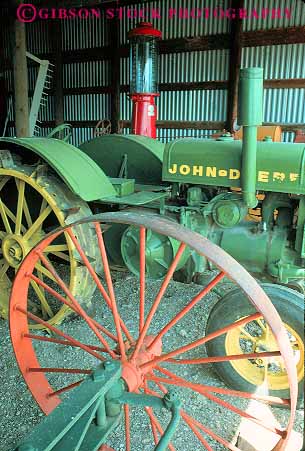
19, 412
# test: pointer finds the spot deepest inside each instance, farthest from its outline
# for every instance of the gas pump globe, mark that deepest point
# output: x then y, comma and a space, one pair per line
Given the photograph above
143, 82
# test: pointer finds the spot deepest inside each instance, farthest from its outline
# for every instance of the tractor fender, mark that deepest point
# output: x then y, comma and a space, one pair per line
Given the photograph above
78, 171
143, 155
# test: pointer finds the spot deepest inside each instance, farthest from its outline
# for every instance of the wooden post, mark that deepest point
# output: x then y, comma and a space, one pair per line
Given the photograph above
234, 67
114, 30
21, 81
55, 31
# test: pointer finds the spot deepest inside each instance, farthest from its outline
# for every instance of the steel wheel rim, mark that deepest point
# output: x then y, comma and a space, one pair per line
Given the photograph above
27, 358
50, 202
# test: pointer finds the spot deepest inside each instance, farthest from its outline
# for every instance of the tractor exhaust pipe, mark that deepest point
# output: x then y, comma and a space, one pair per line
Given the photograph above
250, 115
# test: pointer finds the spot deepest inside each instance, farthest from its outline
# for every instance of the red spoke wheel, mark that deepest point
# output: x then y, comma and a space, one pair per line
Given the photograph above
159, 342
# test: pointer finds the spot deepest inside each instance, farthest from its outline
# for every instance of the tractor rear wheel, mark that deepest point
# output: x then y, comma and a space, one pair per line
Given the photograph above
34, 201
255, 375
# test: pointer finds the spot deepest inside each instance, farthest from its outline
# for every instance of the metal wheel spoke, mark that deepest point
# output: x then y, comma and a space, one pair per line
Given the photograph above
97, 281
209, 432
261, 325
246, 335
62, 256
142, 279
196, 343
225, 358
191, 304
226, 405
3, 270
64, 389
74, 302
44, 303
200, 426
20, 204
244, 414
42, 270
157, 425
72, 307
38, 223
152, 424
44, 311
127, 427
62, 342
115, 312
3, 180
185, 418
59, 370
27, 213
59, 332
59, 251
56, 248
173, 379
158, 298
196, 432
4, 215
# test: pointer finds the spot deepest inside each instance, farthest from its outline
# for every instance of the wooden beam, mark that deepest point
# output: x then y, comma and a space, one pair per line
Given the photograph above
182, 125
194, 125
55, 31
187, 86
234, 67
114, 67
293, 83
21, 81
195, 43
276, 36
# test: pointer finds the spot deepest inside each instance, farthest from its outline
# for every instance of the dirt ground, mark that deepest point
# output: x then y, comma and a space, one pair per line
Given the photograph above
20, 413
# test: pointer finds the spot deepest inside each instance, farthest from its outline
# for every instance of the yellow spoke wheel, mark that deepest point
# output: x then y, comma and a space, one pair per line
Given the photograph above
33, 201
254, 375
257, 372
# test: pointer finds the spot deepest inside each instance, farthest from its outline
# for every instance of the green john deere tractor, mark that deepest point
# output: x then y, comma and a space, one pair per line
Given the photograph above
212, 187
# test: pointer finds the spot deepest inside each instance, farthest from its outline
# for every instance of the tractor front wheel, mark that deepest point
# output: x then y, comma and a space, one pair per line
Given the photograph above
256, 375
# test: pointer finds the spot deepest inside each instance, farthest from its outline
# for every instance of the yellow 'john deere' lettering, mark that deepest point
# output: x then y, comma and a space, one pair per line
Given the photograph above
231, 174
201, 171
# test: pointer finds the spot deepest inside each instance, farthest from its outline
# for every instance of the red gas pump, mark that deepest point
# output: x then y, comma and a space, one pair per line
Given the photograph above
143, 83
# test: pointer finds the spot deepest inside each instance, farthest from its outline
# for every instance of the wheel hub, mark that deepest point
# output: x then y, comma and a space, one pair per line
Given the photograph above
15, 248
131, 372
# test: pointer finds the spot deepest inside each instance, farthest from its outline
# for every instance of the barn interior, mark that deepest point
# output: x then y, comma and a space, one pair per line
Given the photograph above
152, 225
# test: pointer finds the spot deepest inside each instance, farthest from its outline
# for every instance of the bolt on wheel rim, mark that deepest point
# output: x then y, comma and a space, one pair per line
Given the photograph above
150, 363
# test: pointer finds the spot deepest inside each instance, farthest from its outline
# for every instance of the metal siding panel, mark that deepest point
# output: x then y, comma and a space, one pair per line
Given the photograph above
278, 61
296, 7
284, 106
166, 135
210, 65
86, 107
177, 27
193, 105
34, 33
288, 137
84, 34
87, 74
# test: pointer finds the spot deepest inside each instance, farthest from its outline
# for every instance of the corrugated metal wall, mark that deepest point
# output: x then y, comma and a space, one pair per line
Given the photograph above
279, 61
